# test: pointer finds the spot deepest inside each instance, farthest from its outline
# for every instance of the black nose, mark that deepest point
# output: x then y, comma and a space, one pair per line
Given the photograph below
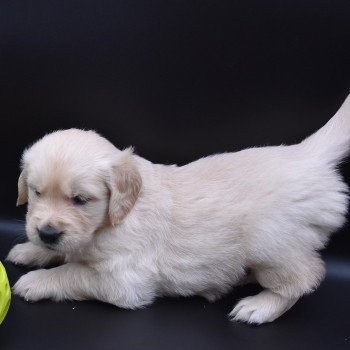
49, 235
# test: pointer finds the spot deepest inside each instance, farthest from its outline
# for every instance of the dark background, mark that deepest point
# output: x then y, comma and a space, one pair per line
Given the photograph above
178, 80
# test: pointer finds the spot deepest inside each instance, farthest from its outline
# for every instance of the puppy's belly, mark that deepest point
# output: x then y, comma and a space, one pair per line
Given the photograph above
210, 275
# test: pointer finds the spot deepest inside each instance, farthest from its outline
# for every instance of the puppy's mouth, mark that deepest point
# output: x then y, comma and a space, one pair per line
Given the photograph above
50, 247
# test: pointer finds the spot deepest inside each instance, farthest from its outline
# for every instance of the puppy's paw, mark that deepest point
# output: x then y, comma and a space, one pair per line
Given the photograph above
23, 254
33, 286
261, 308
33, 255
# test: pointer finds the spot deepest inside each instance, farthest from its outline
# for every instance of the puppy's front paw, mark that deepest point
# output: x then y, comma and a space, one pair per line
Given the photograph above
33, 286
23, 254
33, 255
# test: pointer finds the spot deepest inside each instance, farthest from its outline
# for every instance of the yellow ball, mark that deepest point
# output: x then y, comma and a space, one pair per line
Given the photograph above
5, 293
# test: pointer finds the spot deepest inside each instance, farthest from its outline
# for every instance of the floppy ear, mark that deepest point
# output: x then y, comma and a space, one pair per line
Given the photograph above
22, 189
125, 185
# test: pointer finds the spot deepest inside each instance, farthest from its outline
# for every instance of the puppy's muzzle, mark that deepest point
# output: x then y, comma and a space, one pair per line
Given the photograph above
49, 235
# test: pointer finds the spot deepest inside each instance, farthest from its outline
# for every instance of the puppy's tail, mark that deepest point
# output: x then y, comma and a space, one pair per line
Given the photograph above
331, 143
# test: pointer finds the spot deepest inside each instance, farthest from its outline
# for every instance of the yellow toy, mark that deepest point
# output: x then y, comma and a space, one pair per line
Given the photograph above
5, 293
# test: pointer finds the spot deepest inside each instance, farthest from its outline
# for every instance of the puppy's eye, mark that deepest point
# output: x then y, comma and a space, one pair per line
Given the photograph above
80, 200
37, 193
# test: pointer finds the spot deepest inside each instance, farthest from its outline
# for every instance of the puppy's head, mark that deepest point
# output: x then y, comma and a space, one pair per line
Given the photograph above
75, 182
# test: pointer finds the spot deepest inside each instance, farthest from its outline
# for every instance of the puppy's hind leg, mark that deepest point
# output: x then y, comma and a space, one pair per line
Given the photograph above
284, 284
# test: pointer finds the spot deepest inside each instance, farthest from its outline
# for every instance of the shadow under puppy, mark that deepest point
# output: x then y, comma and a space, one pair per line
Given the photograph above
128, 231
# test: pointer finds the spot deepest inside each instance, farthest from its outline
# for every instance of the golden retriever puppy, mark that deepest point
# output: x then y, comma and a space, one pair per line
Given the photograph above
127, 230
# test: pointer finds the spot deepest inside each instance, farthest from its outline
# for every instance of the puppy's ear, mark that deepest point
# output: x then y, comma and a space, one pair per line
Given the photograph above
22, 189
125, 185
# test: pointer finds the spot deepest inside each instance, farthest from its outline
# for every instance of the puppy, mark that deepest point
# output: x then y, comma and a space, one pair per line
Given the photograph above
127, 230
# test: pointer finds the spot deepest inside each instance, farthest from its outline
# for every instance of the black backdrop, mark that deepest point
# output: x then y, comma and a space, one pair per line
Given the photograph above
176, 79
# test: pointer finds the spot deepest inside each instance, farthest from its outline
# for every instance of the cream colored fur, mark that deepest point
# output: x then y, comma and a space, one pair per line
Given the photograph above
149, 230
